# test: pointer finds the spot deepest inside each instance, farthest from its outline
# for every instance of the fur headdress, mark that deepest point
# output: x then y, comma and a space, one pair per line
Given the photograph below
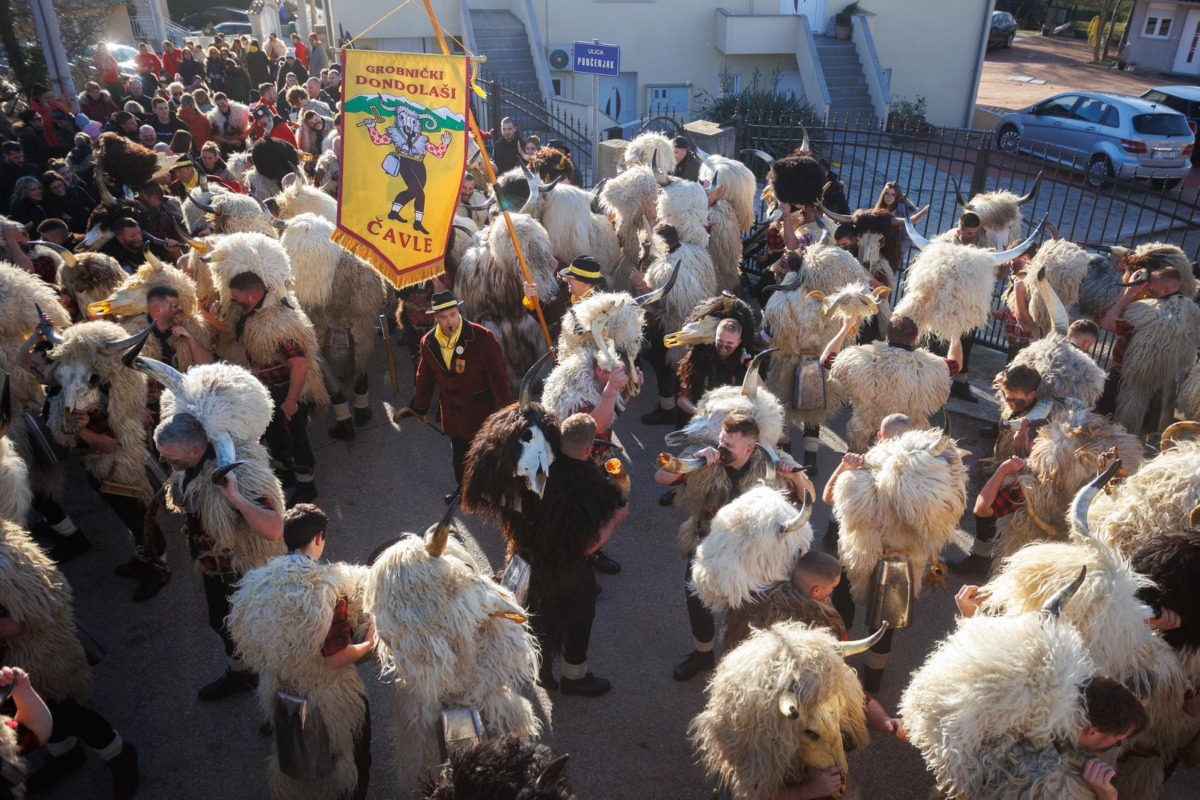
300, 196
753, 541
89, 277
1158, 255
549, 163
1066, 370
228, 401
274, 158
796, 180
20, 295
614, 316
129, 298
733, 182
650, 147
252, 252
129, 163
308, 241
505, 768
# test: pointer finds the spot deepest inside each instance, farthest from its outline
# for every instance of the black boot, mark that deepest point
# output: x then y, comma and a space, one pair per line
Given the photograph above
604, 563
342, 431
125, 773
419, 228
362, 416
695, 663
545, 678
152, 584
232, 682
305, 492
810, 463
587, 686
395, 215
67, 547
135, 567
55, 768
962, 391
872, 679
659, 416
667, 498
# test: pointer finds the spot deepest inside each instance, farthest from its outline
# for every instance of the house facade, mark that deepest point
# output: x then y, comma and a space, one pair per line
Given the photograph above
676, 53
1164, 37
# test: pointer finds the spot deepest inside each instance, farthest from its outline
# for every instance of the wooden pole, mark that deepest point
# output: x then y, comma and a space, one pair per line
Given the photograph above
491, 175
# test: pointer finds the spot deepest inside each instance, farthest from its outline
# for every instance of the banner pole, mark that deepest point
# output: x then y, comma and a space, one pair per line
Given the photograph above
491, 175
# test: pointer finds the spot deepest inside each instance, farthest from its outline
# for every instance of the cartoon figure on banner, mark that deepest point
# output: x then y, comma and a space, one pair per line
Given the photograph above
407, 160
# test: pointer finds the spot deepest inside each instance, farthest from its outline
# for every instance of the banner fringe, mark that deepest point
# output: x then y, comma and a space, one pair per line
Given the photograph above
381, 265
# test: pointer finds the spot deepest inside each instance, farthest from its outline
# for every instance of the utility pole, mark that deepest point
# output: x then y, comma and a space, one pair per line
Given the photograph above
53, 50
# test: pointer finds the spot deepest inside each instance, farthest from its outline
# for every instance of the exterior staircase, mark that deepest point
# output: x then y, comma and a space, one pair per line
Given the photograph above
502, 37
849, 100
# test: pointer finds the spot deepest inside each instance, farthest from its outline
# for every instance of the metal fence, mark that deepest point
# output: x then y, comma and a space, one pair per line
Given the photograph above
926, 162
533, 115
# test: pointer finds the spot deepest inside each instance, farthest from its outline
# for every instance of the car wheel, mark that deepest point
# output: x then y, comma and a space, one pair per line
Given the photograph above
1165, 184
1008, 140
1099, 172
1008, 42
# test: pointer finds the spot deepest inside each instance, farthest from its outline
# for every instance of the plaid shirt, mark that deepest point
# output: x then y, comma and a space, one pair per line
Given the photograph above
1014, 334
1009, 500
279, 374
776, 242
339, 636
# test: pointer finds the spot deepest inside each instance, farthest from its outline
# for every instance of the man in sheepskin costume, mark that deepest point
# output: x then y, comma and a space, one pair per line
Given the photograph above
277, 342
296, 621
20, 738
213, 418
706, 481
37, 634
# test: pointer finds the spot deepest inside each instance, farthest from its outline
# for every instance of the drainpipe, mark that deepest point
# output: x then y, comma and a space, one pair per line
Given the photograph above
977, 75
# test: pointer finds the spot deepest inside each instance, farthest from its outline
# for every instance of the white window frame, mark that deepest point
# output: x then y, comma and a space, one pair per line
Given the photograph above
1157, 15
733, 91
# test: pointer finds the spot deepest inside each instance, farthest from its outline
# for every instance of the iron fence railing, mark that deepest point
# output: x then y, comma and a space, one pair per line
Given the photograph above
929, 163
534, 115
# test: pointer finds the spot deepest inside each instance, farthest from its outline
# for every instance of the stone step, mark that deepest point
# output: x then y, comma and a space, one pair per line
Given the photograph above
854, 73
828, 62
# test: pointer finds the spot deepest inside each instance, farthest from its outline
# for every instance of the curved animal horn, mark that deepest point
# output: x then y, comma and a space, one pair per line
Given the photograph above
772, 460
862, 645
946, 423
801, 518
476, 238
654, 295
106, 195
152, 239
765, 156
958, 196
47, 327
200, 204
1055, 605
549, 187
1013, 252
917, 239
435, 543
534, 187
525, 392
491, 201
750, 382
552, 774
226, 456
67, 256
805, 142
661, 177
164, 373
133, 343
187, 238
1054, 234
1079, 506
1193, 518
680, 466
596, 196
1032, 191
1174, 430
1054, 305
785, 287
712, 185
843, 218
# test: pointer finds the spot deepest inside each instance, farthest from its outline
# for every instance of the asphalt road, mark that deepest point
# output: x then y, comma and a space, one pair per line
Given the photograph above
629, 744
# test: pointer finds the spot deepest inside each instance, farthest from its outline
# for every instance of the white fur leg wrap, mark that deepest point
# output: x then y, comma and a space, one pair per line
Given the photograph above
341, 411
362, 400
574, 671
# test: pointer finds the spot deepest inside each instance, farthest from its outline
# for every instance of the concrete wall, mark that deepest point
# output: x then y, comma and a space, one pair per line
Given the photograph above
933, 49
1155, 55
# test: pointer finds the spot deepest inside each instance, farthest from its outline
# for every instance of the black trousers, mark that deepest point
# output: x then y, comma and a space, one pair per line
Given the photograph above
50, 510
458, 456
704, 627
132, 513
362, 755
217, 591
414, 176
287, 439
72, 719
1107, 404
656, 354
843, 601
579, 629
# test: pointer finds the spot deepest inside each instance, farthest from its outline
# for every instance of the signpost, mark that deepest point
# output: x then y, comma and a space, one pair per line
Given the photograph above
595, 59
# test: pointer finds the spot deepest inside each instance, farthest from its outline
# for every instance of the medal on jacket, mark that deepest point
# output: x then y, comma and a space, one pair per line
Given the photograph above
460, 366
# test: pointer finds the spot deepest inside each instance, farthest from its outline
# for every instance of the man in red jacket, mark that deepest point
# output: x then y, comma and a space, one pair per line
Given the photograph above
465, 362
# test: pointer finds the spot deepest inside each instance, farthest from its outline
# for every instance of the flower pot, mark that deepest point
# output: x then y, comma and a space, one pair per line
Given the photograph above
841, 32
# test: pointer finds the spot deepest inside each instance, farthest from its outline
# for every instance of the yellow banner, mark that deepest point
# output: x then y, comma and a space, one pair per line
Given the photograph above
403, 153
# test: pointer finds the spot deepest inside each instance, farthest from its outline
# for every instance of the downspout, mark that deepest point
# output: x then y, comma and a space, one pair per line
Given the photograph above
468, 28
977, 75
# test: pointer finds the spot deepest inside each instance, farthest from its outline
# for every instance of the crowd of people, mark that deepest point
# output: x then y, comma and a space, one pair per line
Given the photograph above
243, 323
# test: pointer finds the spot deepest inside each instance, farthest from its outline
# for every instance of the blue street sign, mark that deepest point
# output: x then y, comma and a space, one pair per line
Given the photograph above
593, 58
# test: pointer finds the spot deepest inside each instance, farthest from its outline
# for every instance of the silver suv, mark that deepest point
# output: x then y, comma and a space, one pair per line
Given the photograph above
1106, 135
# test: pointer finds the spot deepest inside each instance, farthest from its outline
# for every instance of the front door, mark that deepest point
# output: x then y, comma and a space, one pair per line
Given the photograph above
1187, 59
618, 97
813, 9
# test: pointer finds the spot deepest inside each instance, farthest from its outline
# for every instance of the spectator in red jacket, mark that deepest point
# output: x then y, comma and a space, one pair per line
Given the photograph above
110, 73
42, 101
171, 56
299, 48
147, 61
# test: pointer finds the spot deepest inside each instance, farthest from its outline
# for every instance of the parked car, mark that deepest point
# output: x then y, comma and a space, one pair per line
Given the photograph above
233, 28
1106, 135
214, 16
1185, 100
1003, 31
